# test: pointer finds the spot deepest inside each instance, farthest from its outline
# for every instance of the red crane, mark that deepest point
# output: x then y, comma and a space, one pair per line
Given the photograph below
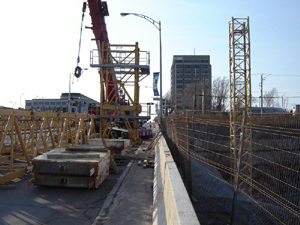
98, 11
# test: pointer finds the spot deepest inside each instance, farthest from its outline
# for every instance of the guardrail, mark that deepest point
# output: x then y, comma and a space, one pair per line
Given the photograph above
24, 134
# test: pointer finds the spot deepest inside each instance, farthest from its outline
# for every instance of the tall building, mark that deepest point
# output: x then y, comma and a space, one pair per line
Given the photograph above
188, 69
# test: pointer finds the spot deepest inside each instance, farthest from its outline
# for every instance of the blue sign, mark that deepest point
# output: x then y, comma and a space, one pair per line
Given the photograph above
155, 81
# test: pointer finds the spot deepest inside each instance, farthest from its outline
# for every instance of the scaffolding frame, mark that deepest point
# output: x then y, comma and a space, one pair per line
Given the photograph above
240, 96
120, 67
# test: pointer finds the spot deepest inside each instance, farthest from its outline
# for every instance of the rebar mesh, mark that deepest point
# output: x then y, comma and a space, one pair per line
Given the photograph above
200, 146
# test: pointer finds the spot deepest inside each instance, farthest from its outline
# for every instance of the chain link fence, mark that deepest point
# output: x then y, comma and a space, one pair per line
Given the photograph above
200, 145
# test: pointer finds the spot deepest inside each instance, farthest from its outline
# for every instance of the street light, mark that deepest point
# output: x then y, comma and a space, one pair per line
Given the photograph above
21, 100
158, 26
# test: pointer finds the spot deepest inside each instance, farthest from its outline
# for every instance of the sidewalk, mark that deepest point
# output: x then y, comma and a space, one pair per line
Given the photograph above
131, 200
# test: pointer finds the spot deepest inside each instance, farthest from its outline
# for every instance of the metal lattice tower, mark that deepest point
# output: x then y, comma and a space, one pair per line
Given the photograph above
127, 65
240, 95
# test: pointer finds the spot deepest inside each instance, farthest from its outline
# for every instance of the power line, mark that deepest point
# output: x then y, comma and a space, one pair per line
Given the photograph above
276, 75
279, 97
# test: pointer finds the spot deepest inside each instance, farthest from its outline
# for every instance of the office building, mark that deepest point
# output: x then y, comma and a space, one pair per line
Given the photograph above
188, 69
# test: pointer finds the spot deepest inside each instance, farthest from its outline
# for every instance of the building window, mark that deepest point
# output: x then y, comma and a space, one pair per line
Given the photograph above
179, 86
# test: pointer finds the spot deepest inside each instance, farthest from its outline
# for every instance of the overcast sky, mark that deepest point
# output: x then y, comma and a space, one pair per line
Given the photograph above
39, 43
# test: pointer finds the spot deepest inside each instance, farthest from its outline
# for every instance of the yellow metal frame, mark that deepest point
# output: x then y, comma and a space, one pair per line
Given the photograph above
25, 134
126, 77
240, 91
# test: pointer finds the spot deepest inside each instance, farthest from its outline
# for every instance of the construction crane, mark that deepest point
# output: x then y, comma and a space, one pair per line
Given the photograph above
119, 66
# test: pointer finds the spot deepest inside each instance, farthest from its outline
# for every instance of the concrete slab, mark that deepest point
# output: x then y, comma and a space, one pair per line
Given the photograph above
63, 168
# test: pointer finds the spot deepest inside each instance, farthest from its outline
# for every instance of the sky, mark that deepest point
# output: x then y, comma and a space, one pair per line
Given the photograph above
39, 43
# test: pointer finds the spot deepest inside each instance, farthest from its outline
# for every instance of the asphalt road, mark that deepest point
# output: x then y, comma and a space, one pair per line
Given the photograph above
53, 205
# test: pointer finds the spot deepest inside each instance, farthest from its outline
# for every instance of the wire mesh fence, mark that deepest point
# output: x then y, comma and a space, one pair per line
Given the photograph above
200, 145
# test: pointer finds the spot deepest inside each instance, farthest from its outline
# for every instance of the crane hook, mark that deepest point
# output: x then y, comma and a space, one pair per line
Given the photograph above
78, 71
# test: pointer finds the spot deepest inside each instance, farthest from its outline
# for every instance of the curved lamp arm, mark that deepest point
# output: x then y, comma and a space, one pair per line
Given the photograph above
155, 23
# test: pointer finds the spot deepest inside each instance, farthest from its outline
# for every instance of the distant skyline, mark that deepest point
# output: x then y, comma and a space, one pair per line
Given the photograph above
39, 43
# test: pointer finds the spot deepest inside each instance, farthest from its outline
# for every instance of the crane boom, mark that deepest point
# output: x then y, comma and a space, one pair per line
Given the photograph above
98, 11
119, 66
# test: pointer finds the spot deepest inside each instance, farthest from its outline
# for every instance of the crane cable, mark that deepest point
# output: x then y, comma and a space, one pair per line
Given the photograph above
78, 70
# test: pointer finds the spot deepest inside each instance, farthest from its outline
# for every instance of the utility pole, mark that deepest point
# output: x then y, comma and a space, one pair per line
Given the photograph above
195, 91
261, 94
203, 101
195, 97
262, 78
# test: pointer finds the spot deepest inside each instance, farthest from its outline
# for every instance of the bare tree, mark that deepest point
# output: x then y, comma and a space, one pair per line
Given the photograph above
202, 95
220, 93
271, 98
168, 97
254, 100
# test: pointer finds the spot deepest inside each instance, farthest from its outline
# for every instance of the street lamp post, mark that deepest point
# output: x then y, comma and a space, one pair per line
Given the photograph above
69, 97
158, 26
21, 100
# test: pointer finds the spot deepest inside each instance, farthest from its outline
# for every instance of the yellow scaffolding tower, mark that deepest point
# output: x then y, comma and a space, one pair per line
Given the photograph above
240, 95
128, 66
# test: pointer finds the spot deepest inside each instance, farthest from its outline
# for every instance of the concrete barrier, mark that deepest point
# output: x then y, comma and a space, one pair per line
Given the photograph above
171, 203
